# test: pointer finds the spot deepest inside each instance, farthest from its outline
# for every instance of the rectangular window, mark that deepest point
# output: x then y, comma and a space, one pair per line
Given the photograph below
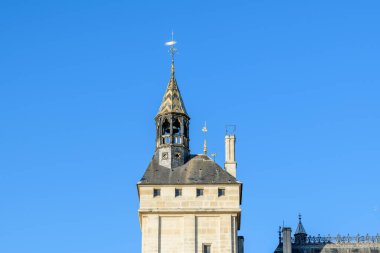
206, 248
199, 192
178, 192
221, 192
156, 192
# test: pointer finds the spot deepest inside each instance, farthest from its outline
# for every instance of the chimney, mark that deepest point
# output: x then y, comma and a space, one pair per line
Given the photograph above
240, 244
287, 240
230, 164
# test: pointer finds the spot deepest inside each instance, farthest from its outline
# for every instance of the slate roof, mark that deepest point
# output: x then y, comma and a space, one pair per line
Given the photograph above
200, 169
300, 229
334, 248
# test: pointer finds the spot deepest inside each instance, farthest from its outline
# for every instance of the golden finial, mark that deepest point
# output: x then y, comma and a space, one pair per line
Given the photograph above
172, 50
204, 130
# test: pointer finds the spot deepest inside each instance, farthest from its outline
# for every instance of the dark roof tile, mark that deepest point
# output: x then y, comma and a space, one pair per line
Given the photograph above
200, 169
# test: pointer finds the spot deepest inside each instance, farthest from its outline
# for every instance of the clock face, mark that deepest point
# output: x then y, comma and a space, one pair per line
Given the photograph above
178, 155
165, 156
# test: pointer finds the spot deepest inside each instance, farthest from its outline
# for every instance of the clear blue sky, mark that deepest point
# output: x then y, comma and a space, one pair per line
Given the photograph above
81, 82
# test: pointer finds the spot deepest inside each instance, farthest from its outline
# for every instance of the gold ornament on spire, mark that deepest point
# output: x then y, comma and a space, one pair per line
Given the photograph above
172, 49
204, 130
172, 100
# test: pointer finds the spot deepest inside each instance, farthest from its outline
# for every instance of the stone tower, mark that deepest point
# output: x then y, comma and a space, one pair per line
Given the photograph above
300, 235
188, 203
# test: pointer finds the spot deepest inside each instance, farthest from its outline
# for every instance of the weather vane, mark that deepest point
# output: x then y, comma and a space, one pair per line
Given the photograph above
213, 156
172, 49
204, 130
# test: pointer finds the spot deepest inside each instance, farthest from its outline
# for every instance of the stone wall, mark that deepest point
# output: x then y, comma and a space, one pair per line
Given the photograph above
185, 223
188, 233
189, 200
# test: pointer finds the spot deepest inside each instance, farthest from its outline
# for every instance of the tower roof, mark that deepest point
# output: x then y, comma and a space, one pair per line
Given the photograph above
200, 169
300, 229
172, 100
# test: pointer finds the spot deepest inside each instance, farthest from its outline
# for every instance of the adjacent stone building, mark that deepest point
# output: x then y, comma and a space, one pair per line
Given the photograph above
188, 203
304, 243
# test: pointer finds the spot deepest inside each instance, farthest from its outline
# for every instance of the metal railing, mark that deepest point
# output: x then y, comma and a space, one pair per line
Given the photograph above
339, 239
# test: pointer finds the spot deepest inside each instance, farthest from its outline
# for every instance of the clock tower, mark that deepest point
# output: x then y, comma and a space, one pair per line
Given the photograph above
172, 127
188, 203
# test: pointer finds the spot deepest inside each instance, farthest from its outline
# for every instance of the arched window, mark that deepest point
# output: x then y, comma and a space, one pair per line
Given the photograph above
176, 127
177, 131
166, 127
185, 129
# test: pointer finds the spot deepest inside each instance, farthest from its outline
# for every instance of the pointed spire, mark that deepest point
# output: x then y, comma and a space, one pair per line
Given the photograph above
300, 229
172, 100
172, 124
